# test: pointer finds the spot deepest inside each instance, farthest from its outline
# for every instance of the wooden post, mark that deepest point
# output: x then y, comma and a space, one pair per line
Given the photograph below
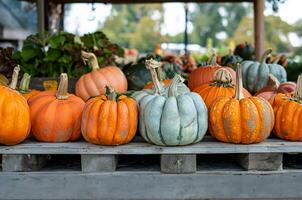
259, 27
98, 163
178, 164
42, 15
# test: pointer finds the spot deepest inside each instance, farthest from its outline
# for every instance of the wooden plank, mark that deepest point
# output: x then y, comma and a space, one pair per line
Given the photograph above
178, 164
21, 163
98, 163
151, 185
207, 146
259, 27
261, 161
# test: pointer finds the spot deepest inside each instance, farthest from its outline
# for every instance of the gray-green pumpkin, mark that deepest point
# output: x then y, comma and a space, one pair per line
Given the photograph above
159, 87
173, 119
256, 74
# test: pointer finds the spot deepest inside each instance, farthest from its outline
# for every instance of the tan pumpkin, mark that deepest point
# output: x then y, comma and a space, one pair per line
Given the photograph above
221, 86
14, 113
56, 116
274, 86
241, 120
205, 73
93, 83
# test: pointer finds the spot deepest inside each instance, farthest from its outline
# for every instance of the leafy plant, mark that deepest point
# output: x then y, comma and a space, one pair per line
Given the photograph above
47, 55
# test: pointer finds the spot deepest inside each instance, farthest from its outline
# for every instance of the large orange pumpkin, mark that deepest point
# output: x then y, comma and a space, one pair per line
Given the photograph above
241, 120
289, 115
93, 83
24, 87
110, 119
274, 87
56, 116
221, 86
205, 73
14, 112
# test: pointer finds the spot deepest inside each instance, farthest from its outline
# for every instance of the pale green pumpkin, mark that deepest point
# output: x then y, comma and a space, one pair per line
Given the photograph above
158, 87
174, 118
256, 74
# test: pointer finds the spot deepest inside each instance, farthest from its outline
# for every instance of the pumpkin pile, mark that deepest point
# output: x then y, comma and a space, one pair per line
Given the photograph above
164, 108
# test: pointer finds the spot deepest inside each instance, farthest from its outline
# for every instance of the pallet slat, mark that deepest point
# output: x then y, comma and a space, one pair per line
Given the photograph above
207, 146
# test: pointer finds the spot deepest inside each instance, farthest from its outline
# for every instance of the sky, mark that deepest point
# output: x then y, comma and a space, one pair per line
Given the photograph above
89, 20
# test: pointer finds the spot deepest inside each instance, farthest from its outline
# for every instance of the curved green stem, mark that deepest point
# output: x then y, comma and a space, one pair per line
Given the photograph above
62, 92
172, 91
110, 93
266, 54
92, 58
212, 59
152, 65
14, 82
238, 92
24, 83
273, 81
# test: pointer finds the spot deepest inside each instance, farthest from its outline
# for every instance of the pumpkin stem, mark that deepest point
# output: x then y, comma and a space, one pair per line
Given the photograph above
92, 58
14, 82
110, 93
24, 83
298, 92
160, 73
273, 81
278, 57
152, 65
212, 59
62, 92
172, 90
231, 53
266, 54
239, 93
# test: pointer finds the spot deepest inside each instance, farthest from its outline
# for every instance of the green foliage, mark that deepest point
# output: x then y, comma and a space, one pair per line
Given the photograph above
293, 69
49, 55
134, 26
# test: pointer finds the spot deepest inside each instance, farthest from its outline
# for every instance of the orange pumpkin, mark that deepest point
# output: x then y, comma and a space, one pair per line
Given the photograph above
273, 87
241, 120
205, 74
14, 112
24, 87
110, 119
221, 86
56, 116
289, 115
93, 83
277, 99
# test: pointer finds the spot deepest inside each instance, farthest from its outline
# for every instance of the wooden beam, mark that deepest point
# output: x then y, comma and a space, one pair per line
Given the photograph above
259, 27
143, 1
42, 15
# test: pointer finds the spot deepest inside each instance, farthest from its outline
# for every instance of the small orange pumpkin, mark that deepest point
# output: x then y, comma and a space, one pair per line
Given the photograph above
93, 83
274, 86
289, 115
14, 112
56, 116
205, 74
241, 120
24, 87
110, 119
221, 86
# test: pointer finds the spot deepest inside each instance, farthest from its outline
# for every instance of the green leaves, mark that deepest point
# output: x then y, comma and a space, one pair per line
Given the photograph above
49, 55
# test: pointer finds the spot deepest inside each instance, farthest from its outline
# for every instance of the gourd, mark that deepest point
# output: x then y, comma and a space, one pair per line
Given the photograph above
110, 119
56, 116
172, 119
24, 87
205, 73
273, 87
93, 83
230, 60
245, 50
256, 74
159, 87
221, 86
289, 116
239, 119
14, 112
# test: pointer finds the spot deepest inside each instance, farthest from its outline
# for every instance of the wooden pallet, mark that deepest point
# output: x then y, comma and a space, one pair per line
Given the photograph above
32, 156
